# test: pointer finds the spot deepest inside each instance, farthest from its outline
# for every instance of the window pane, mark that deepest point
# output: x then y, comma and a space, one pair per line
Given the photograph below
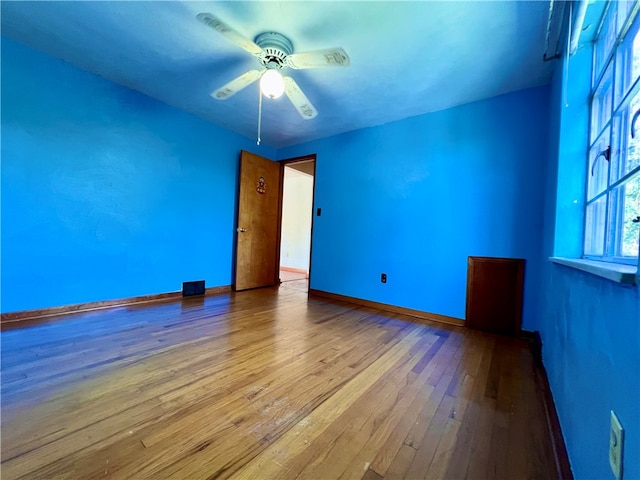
628, 199
606, 39
624, 8
632, 159
628, 62
594, 227
613, 176
601, 106
625, 154
597, 176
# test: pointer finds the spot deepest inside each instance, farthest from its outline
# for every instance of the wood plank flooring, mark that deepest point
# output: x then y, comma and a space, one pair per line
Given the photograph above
288, 276
266, 384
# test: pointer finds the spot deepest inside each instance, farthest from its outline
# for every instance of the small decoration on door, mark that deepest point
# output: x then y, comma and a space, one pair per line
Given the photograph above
261, 187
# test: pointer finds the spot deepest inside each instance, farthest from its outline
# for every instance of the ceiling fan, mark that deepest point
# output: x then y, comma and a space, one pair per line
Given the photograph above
275, 53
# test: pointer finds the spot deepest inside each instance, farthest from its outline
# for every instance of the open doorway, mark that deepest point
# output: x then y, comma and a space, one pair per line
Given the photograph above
297, 211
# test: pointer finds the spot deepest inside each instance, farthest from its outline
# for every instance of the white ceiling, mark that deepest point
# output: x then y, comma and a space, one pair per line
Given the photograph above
407, 58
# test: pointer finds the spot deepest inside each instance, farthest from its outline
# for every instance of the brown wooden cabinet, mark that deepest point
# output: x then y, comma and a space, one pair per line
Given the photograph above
494, 294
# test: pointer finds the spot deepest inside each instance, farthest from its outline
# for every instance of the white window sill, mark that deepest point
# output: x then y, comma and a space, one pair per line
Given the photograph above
617, 272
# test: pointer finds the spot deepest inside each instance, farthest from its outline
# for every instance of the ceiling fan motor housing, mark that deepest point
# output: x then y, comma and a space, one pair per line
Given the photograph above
275, 48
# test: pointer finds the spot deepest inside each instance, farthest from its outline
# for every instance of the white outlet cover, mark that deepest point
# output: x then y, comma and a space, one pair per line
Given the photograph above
616, 444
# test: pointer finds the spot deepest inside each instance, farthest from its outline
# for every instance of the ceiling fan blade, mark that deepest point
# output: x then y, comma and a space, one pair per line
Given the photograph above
299, 99
331, 57
228, 32
237, 84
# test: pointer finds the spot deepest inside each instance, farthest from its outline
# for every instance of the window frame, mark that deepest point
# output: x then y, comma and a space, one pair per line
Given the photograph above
610, 236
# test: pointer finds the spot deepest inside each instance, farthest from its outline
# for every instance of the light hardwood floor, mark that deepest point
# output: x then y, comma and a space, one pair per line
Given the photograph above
265, 384
288, 276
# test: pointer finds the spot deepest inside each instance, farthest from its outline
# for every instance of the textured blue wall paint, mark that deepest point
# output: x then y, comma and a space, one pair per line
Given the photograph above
107, 193
590, 326
590, 329
573, 130
415, 198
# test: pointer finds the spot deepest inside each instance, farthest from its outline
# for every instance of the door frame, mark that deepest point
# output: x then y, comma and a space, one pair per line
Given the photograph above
283, 163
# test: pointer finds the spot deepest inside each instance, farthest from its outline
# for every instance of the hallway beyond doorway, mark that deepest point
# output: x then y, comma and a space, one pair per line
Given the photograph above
286, 275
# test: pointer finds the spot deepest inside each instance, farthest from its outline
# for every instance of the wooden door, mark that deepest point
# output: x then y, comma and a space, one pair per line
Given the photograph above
494, 294
258, 222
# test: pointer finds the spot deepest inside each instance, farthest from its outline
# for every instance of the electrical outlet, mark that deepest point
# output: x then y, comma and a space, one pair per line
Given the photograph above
383, 277
616, 446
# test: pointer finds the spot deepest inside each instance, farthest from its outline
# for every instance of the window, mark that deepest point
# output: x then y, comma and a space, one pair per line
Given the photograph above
612, 216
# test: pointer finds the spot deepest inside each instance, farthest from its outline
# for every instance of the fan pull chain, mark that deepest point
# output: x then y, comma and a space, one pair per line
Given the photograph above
259, 114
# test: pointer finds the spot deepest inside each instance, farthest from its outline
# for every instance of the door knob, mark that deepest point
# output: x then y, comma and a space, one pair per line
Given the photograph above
240, 230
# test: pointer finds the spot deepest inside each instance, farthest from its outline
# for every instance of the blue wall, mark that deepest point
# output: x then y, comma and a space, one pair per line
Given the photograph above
590, 326
415, 198
591, 349
107, 193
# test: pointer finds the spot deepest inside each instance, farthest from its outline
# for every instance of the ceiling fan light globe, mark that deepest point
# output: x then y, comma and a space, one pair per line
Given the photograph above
272, 84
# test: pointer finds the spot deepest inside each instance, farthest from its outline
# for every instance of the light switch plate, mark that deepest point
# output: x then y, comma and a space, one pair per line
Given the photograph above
616, 446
